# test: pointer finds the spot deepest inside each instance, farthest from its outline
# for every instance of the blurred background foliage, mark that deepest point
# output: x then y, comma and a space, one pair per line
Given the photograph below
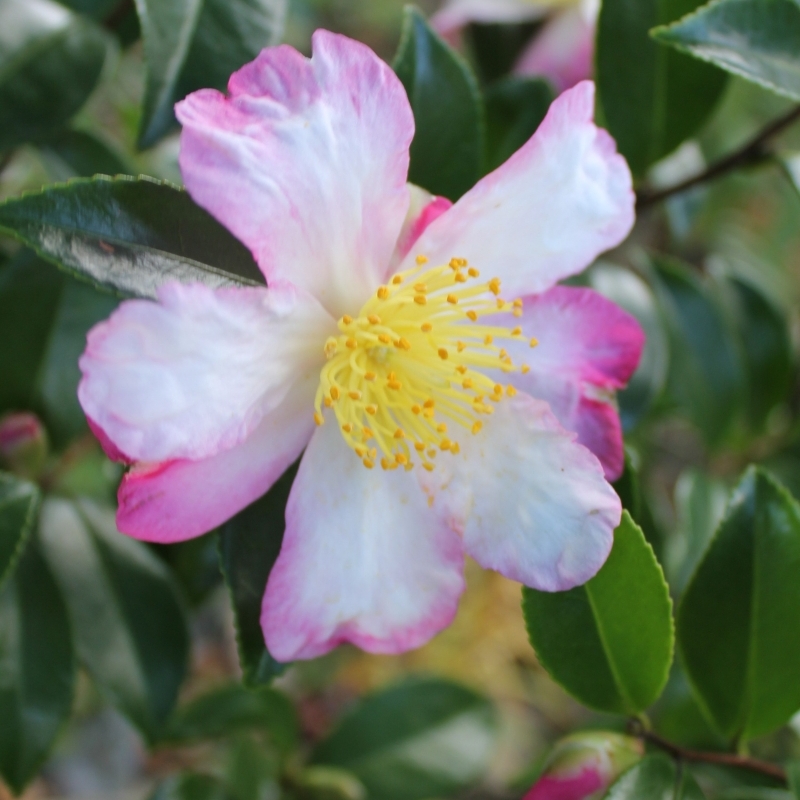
102, 638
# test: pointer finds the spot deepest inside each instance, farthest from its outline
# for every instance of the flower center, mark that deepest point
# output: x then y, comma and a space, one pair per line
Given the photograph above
411, 364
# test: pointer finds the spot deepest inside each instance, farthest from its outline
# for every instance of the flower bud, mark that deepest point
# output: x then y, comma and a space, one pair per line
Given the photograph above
23, 445
584, 765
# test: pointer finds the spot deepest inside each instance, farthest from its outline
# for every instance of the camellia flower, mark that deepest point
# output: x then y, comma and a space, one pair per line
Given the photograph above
562, 51
419, 353
584, 765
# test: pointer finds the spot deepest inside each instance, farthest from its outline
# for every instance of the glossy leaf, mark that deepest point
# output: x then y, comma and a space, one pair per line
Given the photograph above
447, 151
515, 107
756, 39
609, 653
739, 619
421, 739
192, 786
37, 668
653, 99
97, 9
706, 376
233, 708
656, 778
19, 502
198, 44
50, 61
77, 154
249, 545
46, 314
131, 235
129, 624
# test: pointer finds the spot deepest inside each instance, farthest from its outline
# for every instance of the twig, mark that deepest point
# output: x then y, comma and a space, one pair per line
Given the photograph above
723, 759
753, 152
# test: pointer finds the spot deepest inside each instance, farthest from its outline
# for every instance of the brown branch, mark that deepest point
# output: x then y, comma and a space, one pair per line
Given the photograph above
722, 759
756, 151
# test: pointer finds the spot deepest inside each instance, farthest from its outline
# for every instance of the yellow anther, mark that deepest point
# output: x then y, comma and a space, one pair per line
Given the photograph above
397, 280
426, 327
369, 376
360, 451
518, 303
534, 342
460, 277
517, 312
452, 299
472, 315
473, 273
501, 304
371, 410
368, 463
432, 453
461, 369
511, 391
347, 320
367, 434
467, 383
419, 446
488, 339
428, 413
421, 287
383, 292
494, 286
503, 354
354, 394
384, 338
352, 344
455, 263
403, 343
415, 409
441, 427
430, 403
420, 300
445, 445
331, 346
498, 389
443, 354
455, 449
318, 418
374, 319
394, 385
385, 463
525, 369
517, 331
401, 459
422, 260
335, 393
399, 434
428, 466
327, 402
347, 427
476, 428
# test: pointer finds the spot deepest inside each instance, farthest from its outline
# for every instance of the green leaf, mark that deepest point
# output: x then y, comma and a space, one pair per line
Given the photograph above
447, 151
198, 44
249, 545
234, 708
706, 375
653, 98
739, 619
77, 154
515, 107
609, 653
96, 9
195, 564
50, 61
129, 624
656, 778
191, 786
131, 235
37, 668
421, 739
44, 318
756, 39
793, 774
19, 502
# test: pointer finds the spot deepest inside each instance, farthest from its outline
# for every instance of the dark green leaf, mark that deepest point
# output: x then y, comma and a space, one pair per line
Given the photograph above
447, 151
195, 564
37, 668
97, 9
757, 39
739, 620
421, 739
234, 708
191, 786
50, 60
497, 47
19, 501
609, 653
129, 624
515, 107
251, 771
128, 234
653, 99
706, 374
656, 778
77, 154
249, 545
628, 488
44, 317
197, 44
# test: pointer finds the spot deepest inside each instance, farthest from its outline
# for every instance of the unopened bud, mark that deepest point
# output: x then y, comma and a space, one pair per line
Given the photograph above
23, 445
584, 765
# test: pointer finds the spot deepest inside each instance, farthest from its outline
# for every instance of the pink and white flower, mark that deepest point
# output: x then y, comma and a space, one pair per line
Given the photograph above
562, 51
431, 426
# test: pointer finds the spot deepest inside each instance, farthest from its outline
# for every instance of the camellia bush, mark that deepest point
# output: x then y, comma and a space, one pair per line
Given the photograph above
400, 403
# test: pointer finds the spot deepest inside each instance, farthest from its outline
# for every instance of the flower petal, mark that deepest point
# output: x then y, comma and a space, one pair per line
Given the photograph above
424, 209
530, 502
194, 373
563, 51
562, 199
179, 500
588, 348
363, 560
306, 162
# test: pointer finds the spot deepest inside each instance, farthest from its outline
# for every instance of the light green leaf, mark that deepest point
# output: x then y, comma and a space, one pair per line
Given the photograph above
129, 623
421, 739
249, 545
197, 44
131, 235
739, 619
19, 502
50, 60
37, 668
653, 99
609, 653
656, 778
756, 39
447, 151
